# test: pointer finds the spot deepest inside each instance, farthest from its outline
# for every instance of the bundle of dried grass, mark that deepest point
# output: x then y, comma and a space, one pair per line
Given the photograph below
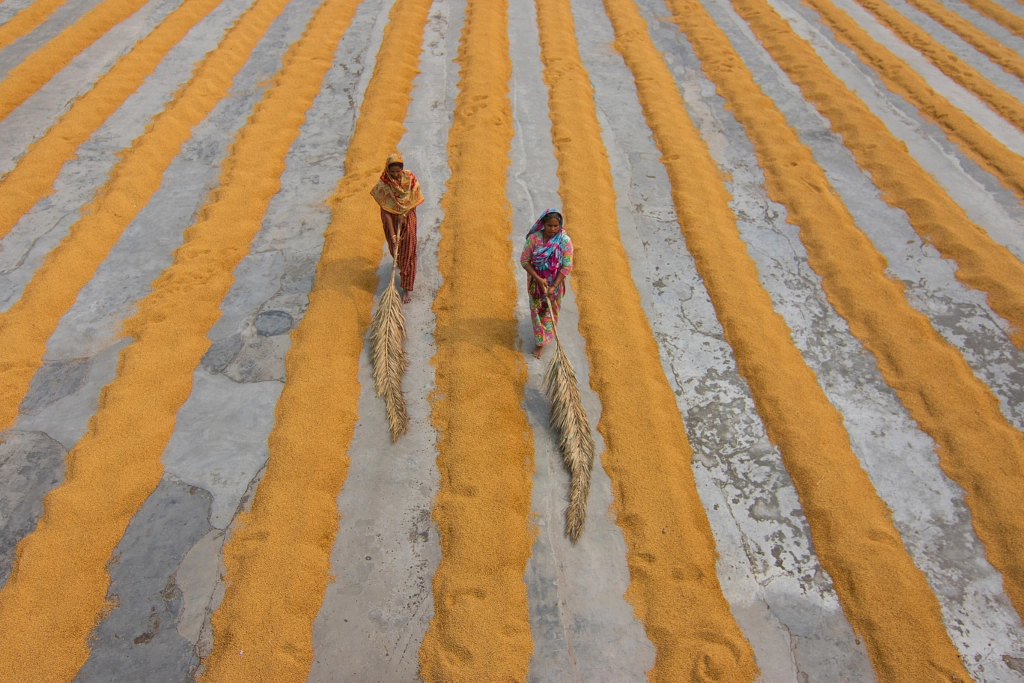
569, 420
387, 351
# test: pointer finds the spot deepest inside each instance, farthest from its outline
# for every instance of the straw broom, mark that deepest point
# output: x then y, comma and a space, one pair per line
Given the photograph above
387, 352
569, 421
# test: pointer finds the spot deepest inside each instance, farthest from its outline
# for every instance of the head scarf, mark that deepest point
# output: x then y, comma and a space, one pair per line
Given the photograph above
546, 259
397, 197
539, 225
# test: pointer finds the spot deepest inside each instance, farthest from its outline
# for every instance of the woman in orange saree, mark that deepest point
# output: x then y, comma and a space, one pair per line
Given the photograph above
398, 194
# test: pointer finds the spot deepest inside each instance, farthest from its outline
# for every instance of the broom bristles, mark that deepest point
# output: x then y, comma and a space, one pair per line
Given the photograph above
387, 355
569, 420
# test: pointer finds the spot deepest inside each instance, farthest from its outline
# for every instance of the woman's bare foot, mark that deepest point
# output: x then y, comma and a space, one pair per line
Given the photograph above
406, 296
537, 350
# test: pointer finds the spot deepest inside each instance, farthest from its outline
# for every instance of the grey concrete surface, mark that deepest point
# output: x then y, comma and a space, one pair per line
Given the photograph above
959, 314
1013, 7
28, 122
219, 446
779, 594
238, 383
992, 28
64, 16
158, 227
991, 71
376, 610
82, 356
583, 628
60, 403
981, 197
10, 8
956, 94
31, 463
928, 509
932, 287
138, 640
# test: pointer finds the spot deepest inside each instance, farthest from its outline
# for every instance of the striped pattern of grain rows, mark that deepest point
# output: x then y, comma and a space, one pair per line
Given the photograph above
797, 316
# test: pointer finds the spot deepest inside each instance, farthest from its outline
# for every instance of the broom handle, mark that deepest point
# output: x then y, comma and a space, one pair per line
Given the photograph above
398, 245
554, 323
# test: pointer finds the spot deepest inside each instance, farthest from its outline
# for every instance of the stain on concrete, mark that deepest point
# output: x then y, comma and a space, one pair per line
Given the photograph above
273, 323
53, 381
222, 352
139, 640
256, 352
1014, 663
66, 418
259, 360
31, 464
200, 580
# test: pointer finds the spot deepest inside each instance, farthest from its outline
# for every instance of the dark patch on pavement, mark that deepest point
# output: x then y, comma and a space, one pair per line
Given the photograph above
273, 323
53, 381
31, 465
1015, 663
222, 352
139, 641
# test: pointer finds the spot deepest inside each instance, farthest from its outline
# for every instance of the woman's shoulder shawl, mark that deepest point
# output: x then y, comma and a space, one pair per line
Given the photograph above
397, 198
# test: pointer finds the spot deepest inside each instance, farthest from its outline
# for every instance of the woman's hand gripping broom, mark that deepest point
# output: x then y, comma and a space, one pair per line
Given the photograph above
387, 350
575, 441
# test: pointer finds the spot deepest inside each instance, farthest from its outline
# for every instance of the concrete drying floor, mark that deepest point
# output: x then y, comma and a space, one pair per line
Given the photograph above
167, 573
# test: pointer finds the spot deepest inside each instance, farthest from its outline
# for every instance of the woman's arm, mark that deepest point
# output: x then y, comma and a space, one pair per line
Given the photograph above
533, 273
565, 266
567, 257
389, 225
395, 224
524, 255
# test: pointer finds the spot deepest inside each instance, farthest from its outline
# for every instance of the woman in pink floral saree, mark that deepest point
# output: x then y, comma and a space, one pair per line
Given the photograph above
547, 258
